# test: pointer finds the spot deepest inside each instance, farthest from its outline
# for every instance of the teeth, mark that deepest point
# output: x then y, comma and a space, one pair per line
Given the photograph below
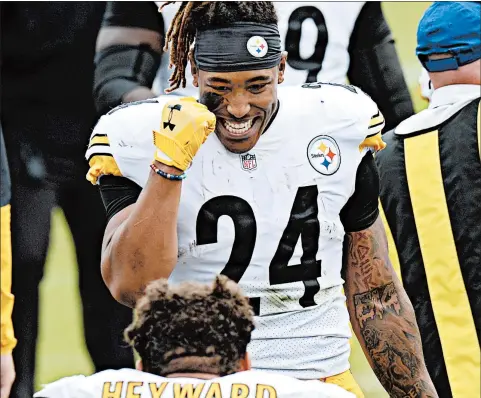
238, 128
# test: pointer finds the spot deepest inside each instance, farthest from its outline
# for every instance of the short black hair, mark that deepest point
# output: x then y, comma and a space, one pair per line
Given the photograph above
193, 15
191, 327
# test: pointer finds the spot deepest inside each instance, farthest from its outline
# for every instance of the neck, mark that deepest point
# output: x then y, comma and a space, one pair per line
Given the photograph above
192, 366
202, 376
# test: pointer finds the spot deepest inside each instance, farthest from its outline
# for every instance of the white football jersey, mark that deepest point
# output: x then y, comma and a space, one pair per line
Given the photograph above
315, 34
269, 218
129, 383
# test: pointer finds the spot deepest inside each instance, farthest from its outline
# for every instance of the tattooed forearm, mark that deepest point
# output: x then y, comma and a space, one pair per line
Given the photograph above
374, 303
382, 316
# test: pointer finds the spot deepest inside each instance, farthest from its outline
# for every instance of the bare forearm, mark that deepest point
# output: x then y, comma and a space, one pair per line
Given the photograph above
144, 246
383, 317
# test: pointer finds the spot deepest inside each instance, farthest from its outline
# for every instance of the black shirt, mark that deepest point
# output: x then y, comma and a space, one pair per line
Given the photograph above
47, 74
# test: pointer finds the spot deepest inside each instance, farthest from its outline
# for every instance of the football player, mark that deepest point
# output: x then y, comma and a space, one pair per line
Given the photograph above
268, 201
326, 41
192, 340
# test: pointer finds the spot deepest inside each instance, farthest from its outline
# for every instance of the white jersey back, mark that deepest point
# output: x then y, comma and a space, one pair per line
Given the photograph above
129, 383
269, 218
315, 34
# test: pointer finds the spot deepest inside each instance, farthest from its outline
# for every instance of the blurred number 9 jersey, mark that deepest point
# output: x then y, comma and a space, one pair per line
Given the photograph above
316, 36
270, 218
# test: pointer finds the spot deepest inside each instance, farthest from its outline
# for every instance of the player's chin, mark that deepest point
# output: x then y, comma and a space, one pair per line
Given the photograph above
239, 140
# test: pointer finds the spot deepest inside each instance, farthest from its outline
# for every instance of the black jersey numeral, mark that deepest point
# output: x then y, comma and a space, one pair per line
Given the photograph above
313, 64
303, 223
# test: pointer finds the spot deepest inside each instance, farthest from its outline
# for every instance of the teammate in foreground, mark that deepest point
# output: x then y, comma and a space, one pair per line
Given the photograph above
292, 171
192, 341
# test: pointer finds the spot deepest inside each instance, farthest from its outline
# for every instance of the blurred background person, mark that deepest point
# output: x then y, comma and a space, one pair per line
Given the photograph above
8, 341
326, 41
47, 115
431, 194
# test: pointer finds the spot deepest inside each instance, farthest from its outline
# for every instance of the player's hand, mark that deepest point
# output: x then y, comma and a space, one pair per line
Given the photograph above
185, 126
7, 375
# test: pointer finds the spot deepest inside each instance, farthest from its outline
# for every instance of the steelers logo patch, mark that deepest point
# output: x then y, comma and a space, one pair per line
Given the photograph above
257, 46
324, 155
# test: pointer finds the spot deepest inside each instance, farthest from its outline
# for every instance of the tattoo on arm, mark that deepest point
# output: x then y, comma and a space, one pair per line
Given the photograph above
382, 316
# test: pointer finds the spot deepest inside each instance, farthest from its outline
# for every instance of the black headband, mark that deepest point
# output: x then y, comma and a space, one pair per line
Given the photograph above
238, 47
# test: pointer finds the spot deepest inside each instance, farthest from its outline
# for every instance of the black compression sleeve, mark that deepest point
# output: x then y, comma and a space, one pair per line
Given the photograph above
361, 210
133, 14
117, 193
375, 66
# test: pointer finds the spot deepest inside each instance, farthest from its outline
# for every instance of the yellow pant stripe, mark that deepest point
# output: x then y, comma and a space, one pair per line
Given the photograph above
346, 380
8, 340
446, 286
393, 256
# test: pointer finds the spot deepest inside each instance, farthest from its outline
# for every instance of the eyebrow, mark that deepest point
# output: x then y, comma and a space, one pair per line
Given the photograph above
218, 80
265, 79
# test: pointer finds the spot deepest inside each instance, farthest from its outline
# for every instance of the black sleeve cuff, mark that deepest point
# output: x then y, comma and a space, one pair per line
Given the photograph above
117, 193
362, 210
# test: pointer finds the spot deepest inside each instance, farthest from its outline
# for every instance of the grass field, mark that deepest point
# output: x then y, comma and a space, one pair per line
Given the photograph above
61, 349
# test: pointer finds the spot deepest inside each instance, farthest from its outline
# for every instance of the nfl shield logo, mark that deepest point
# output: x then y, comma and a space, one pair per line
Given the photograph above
248, 162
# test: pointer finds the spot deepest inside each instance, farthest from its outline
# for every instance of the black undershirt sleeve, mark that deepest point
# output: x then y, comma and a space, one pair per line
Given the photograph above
375, 66
117, 193
361, 210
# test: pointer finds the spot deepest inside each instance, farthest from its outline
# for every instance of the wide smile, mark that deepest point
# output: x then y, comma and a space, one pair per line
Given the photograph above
239, 130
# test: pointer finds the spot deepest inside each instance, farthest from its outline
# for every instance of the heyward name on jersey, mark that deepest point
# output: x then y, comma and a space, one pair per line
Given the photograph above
129, 383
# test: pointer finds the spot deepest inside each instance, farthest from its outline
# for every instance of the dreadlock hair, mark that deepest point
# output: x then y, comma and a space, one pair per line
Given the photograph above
193, 15
191, 327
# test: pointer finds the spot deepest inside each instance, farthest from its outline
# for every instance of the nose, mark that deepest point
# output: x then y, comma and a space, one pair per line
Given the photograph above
238, 105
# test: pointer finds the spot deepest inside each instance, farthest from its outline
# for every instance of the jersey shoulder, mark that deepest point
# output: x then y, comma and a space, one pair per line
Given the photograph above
62, 388
115, 381
339, 108
283, 386
123, 135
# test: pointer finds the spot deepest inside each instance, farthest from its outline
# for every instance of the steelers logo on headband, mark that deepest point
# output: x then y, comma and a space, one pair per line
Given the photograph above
257, 46
223, 48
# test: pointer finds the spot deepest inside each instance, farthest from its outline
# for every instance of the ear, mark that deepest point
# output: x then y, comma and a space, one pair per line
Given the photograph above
282, 67
245, 363
138, 365
193, 69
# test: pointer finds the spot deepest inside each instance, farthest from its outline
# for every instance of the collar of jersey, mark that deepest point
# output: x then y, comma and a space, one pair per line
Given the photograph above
445, 102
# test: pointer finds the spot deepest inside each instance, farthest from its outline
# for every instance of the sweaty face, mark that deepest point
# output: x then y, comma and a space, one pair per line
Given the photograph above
243, 103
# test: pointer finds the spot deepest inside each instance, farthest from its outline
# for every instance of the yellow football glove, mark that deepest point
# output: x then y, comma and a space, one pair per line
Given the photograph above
185, 126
